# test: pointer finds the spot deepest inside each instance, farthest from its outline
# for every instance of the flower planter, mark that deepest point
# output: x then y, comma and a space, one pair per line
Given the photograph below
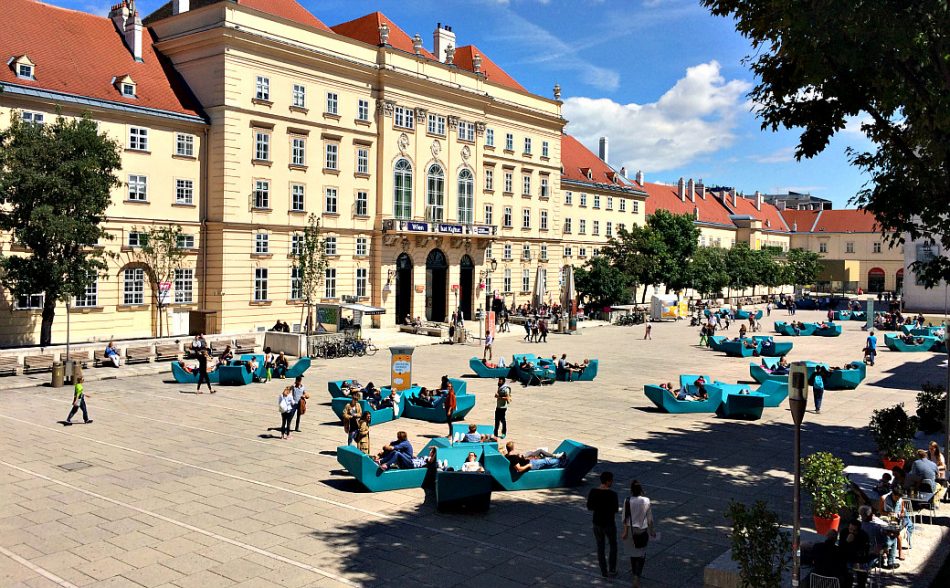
891, 464
823, 525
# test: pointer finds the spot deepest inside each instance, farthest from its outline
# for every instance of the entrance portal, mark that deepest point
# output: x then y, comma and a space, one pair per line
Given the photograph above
437, 277
876, 280
466, 286
403, 287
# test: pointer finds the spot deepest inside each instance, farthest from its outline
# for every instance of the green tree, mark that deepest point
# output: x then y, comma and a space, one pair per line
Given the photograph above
802, 267
310, 265
160, 255
680, 237
707, 271
602, 284
56, 179
759, 546
740, 264
819, 67
639, 254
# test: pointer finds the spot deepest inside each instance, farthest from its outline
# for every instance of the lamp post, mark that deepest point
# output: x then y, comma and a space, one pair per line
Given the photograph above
946, 343
798, 402
483, 282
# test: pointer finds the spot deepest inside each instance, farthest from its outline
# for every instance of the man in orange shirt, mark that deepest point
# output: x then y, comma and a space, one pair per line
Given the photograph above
449, 404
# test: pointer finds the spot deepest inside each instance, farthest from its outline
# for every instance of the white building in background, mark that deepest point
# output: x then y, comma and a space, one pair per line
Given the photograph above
916, 297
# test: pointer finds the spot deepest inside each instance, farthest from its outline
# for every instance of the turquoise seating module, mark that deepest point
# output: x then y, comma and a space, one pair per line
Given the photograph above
335, 388
463, 491
688, 381
775, 393
368, 473
588, 375
665, 401
769, 347
261, 371
829, 330
382, 415
743, 315
234, 375
847, 378
894, 343
742, 406
299, 367
859, 315
464, 403
734, 348
715, 342
762, 375
842, 315
579, 460
183, 377
784, 328
482, 371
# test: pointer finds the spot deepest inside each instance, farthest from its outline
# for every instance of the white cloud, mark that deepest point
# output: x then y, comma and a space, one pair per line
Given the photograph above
697, 116
783, 155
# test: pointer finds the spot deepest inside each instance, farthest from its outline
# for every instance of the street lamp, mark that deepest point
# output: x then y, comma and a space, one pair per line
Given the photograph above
798, 402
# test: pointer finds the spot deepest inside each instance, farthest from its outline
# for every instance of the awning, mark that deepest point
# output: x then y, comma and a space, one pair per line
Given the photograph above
365, 309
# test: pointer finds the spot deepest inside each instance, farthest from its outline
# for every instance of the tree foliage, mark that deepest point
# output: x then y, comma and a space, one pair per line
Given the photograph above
310, 262
57, 180
680, 237
160, 255
823, 64
601, 284
759, 546
708, 272
802, 267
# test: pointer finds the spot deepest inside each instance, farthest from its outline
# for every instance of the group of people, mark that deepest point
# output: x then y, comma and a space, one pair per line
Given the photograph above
280, 327
636, 521
698, 394
536, 329
292, 402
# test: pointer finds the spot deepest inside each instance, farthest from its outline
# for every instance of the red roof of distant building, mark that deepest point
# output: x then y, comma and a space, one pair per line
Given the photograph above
846, 221
464, 57
769, 215
78, 53
287, 9
366, 29
800, 220
576, 159
665, 197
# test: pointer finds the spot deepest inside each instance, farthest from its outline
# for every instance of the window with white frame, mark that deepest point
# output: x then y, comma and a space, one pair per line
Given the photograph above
133, 286
186, 242
568, 251
876, 247
362, 110
435, 194
436, 124
525, 280
260, 284
296, 283
136, 239
567, 226
297, 193
30, 301
403, 117
544, 187
329, 283
596, 228
823, 247
610, 203
332, 160
623, 205
362, 161
362, 282
263, 88
526, 251
527, 145
544, 219
333, 103
526, 185
466, 131
545, 149
583, 199
509, 182
329, 246
330, 201
488, 255
184, 286
525, 218
261, 145
544, 251
595, 252
507, 218
128, 90
138, 139
849, 247
596, 201
298, 151
506, 283
35, 118
506, 251
362, 246
261, 243
568, 198
24, 71
621, 227
298, 97
90, 294
489, 217
489, 180
402, 189
635, 205
362, 203
489, 137
582, 252
184, 145
138, 188
184, 192
582, 227
466, 197
296, 244
610, 230
509, 142
261, 194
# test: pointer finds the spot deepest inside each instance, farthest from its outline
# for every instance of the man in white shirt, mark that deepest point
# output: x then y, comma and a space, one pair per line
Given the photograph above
489, 339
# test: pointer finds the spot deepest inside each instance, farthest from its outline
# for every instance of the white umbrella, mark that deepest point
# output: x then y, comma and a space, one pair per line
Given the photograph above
568, 293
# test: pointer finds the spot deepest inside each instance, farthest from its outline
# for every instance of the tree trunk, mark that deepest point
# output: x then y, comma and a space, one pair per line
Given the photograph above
643, 299
49, 313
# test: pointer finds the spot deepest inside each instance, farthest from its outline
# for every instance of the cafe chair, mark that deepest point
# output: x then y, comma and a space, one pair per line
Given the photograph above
910, 511
817, 581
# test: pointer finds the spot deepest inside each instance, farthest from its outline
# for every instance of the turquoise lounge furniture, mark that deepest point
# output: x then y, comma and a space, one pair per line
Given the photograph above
894, 343
734, 348
842, 315
482, 371
298, 368
761, 375
261, 371
743, 315
382, 415
543, 372
715, 342
335, 388
769, 347
859, 315
846, 379
829, 330
234, 374
464, 403
579, 460
667, 403
183, 377
588, 375
368, 473
775, 393
463, 491
688, 381
741, 406
788, 329
463, 429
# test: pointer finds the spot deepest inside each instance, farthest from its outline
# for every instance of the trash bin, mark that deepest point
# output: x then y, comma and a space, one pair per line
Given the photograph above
58, 373
69, 372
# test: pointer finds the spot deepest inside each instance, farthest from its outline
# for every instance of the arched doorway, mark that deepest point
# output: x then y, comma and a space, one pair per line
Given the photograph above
437, 277
466, 286
403, 287
876, 280
899, 284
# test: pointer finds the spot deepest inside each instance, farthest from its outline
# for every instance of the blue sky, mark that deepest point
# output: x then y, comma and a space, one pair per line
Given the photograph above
662, 78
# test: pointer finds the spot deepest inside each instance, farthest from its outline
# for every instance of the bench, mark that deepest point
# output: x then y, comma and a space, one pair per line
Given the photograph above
139, 354
216, 346
9, 366
435, 331
407, 329
38, 363
245, 345
167, 351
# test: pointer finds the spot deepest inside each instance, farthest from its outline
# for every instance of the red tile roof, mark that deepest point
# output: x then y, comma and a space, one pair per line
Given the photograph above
769, 215
79, 53
576, 160
664, 197
366, 29
287, 9
494, 74
846, 221
800, 220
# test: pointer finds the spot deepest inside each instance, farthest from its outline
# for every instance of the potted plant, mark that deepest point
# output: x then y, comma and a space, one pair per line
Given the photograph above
823, 477
932, 408
892, 430
759, 546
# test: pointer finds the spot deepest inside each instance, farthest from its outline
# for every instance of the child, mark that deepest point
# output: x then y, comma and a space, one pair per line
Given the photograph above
79, 402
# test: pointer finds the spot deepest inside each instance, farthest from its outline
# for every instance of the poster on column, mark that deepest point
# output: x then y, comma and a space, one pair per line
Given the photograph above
401, 369
490, 323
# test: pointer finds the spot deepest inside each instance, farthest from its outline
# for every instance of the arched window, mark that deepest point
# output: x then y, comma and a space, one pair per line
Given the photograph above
466, 197
402, 190
435, 194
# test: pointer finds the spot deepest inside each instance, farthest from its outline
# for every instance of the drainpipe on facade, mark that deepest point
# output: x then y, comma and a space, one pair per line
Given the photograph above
203, 232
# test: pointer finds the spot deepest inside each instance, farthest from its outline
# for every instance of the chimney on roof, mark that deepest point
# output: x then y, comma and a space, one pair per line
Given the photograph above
442, 39
701, 188
477, 63
780, 204
795, 227
623, 171
179, 6
640, 176
603, 149
758, 200
417, 44
691, 190
681, 189
735, 198
126, 20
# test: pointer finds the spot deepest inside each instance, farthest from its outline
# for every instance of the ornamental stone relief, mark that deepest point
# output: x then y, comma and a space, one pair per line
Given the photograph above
466, 152
402, 143
436, 148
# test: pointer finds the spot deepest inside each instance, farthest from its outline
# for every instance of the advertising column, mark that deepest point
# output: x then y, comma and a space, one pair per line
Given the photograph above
401, 370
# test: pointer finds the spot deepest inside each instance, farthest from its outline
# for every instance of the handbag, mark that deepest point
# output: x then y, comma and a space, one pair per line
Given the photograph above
641, 538
303, 405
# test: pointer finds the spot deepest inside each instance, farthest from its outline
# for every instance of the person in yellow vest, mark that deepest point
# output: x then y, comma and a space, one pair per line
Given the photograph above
79, 402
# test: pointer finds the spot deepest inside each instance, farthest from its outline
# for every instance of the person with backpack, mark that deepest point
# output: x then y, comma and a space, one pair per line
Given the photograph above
818, 387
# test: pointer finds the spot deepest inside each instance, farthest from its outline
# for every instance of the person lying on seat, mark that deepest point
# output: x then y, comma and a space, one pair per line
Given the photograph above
473, 436
424, 398
539, 459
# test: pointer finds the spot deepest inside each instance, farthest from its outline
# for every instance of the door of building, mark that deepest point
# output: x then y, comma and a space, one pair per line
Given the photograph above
466, 286
437, 277
403, 287
876, 280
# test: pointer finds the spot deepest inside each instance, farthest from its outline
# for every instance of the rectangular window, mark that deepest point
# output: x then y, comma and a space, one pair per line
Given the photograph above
544, 220
596, 230
128, 90
362, 246
261, 194
544, 187
876, 247
403, 117
298, 151
527, 145
568, 198
299, 96
525, 218
596, 201
526, 251
297, 192
610, 229
296, 244
526, 185
436, 124
610, 203
506, 251
333, 156
261, 243
362, 110
362, 203
329, 246
184, 286
507, 219
263, 88
133, 286
567, 226
138, 188
330, 201
261, 146
90, 296
544, 251
36, 118
489, 137
506, 285
260, 284
849, 247
138, 138
296, 283
545, 149
583, 199
25, 71
362, 282
636, 207
582, 252
526, 280
489, 179
488, 214
185, 242
136, 239
582, 227
568, 252
184, 145
333, 103
329, 283
822, 247
362, 161
509, 182
488, 255
623, 227
509, 142
623, 205
466, 131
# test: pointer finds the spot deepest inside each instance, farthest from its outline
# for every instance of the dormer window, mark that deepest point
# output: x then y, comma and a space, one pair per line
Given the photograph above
128, 90
125, 85
23, 67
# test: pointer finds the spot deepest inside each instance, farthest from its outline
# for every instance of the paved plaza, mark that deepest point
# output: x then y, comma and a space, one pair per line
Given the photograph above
169, 488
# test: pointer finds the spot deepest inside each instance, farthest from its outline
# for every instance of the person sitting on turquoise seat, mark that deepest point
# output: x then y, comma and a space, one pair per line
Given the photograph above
424, 399
252, 366
372, 394
525, 364
700, 384
473, 436
471, 463
281, 365
397, 453
390, 401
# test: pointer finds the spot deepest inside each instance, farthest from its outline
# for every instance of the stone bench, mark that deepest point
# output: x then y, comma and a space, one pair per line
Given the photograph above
433, 331
245, 345
38, 363
167, 351
407, 329
139, 354
9, 366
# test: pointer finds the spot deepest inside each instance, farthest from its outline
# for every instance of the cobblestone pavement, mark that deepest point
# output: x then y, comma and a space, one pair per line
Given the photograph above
169, 488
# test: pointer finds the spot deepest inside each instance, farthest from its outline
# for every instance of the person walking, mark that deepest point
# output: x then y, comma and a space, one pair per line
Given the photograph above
768, 309
79, 403
285, 404
362, 434
543, 329
637, 529
604, 503
870, 349
203, 370
351, 416
818, 387
647, 332
502, 400
489, 340
450, 404
527, 330
299, 392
